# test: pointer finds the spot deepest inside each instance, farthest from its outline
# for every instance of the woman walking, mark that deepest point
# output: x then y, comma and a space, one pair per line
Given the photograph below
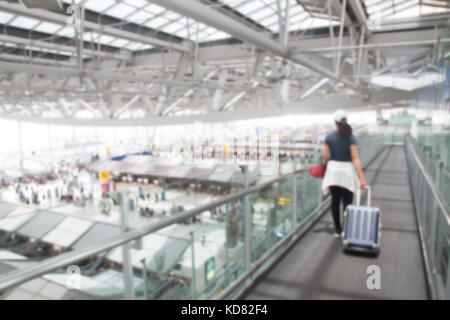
343, 167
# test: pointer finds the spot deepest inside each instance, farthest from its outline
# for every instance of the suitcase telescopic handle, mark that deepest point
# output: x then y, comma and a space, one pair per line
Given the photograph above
369, 196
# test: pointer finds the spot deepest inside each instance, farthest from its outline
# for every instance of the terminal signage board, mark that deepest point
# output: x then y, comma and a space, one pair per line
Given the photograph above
104, 175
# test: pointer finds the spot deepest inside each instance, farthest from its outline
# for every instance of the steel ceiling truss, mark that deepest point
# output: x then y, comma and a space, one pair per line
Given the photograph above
116, 84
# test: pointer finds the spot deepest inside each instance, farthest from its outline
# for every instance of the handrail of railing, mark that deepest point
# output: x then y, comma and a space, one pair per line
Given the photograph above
429, 252
20, 276
430, 181
17, 277
286, 240
255, 266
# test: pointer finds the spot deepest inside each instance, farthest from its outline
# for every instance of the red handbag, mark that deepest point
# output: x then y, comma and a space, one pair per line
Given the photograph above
318, 170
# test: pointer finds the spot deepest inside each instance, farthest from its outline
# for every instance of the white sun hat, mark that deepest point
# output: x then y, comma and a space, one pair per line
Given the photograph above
339, 115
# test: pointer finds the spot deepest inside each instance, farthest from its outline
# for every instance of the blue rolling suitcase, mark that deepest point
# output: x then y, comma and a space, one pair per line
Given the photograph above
362, 227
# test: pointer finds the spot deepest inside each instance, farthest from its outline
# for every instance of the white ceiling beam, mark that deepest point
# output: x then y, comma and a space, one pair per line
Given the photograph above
111, 76
207, 15
239, 96
380, 45
60, 47
400, 62
218, 94
313, 89
320, 105
360, 14
65, 108
127, 105
187, 94
88, 107
43, 61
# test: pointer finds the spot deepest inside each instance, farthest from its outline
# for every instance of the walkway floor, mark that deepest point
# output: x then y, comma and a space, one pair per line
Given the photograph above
317, 268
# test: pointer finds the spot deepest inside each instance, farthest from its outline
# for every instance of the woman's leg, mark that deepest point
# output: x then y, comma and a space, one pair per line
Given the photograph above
347, 197
335, 207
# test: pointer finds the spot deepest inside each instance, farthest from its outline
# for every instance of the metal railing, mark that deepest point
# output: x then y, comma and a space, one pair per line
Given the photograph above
433, 219
293, 202
438, 169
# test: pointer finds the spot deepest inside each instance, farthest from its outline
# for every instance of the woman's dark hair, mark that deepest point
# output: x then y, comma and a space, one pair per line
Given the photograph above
344, 128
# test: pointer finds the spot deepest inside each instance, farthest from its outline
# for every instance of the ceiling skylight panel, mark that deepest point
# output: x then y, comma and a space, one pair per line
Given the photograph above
265, 12
99, 6
421, 10
134, 46
120, 11
47, 27
5, 17
202, 26
103, 39
397, 10
379, 7
192, 35
219, 35
136, 3
171, 28
269, 20
119, 43
66, 32
293, 10
70, 1
173, 16
155, 9
183, 33
298, 17
382, 13
370, 2
140, 16
64, 53
250, 7
96, 37
24, 22
207, 30
312, 23
32, 48
196, 26
397, 2
11, 45
156, 22
203, 35
409, 13
274, 27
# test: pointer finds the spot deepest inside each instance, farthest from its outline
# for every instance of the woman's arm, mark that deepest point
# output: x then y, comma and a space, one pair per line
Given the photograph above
326, 153
357, 163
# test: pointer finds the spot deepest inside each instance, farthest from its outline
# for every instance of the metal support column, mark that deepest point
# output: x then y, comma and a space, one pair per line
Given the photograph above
330, 18
434, 221
126, 249
360, 52
194, 280
437, 178
341, 33
247, 225
21, 144
49, 141
144, 279
294, 201
80, 35
447, 291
